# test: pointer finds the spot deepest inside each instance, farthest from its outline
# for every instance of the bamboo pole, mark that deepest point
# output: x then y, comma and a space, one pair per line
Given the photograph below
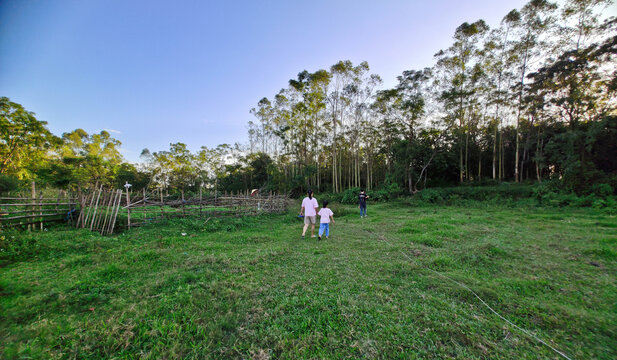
85, 219
113, 224
96, 205
97, 222
112, 205
111, 198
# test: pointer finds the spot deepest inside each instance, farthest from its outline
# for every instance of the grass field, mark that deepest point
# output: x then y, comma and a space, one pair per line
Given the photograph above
251, 288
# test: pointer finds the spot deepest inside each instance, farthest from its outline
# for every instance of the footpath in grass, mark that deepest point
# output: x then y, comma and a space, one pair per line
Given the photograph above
251, 288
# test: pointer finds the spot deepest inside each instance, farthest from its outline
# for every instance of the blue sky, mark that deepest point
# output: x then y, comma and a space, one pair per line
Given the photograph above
157, 72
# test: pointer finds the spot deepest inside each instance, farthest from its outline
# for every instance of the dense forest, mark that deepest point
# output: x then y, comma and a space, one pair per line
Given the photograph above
532, 100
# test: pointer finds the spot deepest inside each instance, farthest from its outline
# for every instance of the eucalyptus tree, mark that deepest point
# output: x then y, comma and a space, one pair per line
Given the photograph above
582, 21
411, 92
307, 110
535, 20
262, 130
386, 108
316, 99
459, 75
497, 66
359, 94
342, 76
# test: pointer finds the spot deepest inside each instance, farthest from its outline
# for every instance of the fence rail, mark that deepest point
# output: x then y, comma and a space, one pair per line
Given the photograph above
149, 208
35, 211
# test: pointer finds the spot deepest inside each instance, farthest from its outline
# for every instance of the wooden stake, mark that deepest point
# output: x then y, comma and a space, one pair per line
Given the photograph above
41, 209
128, 209
33, 190
96, 208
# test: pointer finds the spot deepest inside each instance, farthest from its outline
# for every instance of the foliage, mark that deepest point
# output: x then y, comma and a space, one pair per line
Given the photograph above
8, 183
532, 99
23, 139
452, 195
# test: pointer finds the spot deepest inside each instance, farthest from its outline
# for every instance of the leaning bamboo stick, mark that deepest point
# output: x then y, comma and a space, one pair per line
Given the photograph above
100, 219
106, 213
85, 219
96, 207
117, 209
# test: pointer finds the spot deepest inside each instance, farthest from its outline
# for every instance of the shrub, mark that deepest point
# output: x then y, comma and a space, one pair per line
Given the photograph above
8, 183
602, 190
350, 196
454, 195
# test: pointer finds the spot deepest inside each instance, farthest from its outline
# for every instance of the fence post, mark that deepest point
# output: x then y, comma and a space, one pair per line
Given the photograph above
41, 210
145, 205
162, 210
128, 203
182, 201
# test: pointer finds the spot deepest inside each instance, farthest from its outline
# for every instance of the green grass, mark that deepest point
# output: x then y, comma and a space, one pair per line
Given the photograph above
251, 288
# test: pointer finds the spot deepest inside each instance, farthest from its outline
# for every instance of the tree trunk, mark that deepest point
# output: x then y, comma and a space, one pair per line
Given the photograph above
495, 153
480, 166
467, 155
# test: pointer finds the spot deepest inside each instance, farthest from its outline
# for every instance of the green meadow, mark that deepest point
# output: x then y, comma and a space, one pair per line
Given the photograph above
251, 288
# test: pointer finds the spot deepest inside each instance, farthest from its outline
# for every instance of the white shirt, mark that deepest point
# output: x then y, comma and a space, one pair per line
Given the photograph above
325, 214
309, 206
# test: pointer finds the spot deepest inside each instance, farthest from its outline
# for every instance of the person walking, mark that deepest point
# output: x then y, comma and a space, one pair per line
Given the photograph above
326, 215
362, 202
309, 208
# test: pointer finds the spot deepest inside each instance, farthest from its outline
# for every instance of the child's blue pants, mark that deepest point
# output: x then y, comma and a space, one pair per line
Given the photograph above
324, 227
362, 210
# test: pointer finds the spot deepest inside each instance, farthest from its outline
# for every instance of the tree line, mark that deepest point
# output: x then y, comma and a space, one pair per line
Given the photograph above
532, 99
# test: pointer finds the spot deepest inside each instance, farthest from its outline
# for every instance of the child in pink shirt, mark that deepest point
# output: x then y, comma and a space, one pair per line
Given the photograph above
326, 216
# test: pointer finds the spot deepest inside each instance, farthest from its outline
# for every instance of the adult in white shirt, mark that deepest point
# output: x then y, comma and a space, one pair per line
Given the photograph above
309, 208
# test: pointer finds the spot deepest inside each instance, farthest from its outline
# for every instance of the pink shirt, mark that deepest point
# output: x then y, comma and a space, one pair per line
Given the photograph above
309, 206
325, 214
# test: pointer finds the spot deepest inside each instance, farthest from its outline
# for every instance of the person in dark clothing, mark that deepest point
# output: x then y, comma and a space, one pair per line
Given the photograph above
362, 202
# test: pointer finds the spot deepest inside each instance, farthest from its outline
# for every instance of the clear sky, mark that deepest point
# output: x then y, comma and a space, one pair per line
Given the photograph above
156, 72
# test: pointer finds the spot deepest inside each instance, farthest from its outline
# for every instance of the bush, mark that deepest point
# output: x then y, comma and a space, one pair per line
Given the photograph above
8, 183
454, 195
350, 196
602, 190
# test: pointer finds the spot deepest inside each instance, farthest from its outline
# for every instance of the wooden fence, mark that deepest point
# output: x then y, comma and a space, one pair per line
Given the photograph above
100, 210
38, 209
147, 208
103, 210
